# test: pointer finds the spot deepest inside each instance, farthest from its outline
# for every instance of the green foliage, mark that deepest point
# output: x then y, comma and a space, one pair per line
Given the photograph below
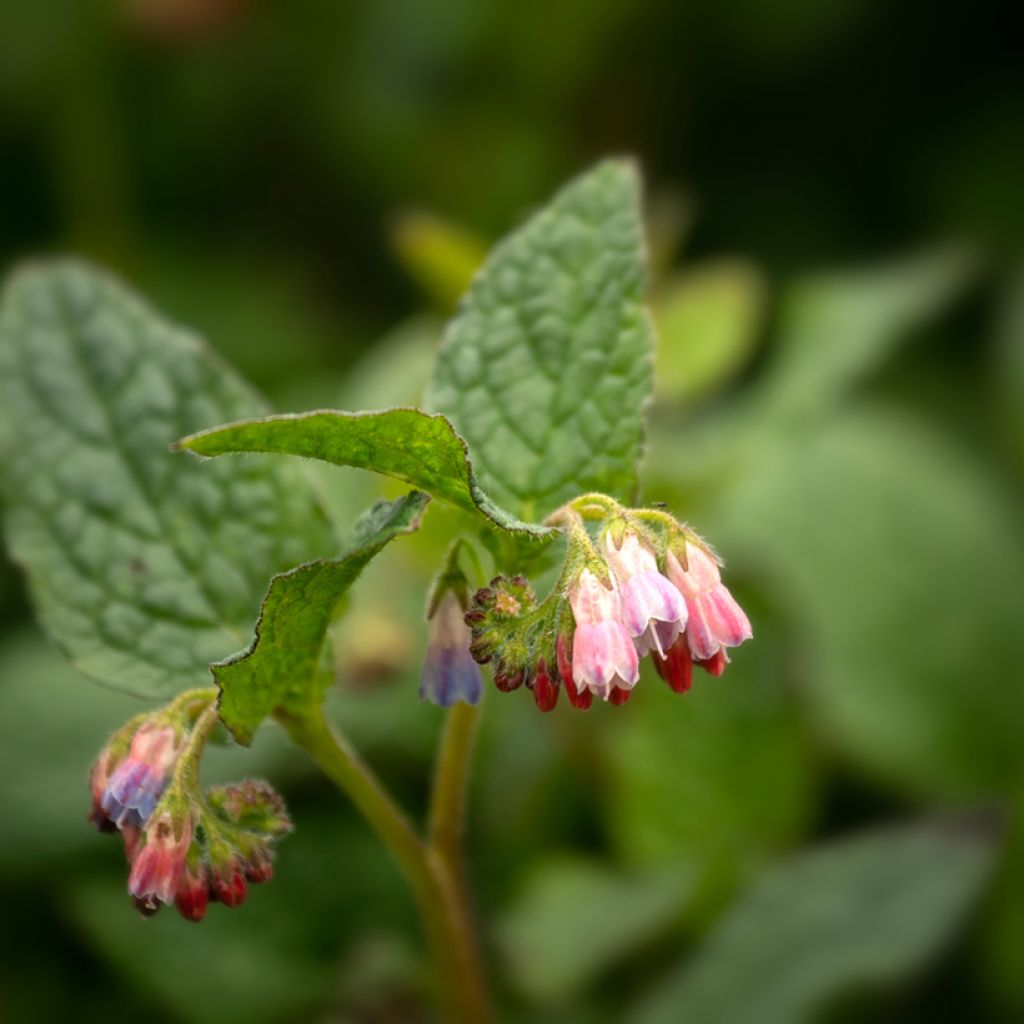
143, 567
906, 662
546, 368
576, 918
715, 781
836, 328
441, 257
280, 670
1010, 364
407, 444
859, 913
707, 320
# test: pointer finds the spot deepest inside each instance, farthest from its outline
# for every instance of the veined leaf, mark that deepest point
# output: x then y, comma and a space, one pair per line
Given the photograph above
407, 444
280, 668
546, 368
144, 567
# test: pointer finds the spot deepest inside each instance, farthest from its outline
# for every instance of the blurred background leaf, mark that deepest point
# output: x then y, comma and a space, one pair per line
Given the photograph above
707, 319
855, 914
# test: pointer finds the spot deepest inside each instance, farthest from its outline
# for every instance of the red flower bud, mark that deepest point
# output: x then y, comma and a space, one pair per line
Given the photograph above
192, 896
676, 667
545, 692
581, 699
619, 695
230, 887
507, 681
715, 665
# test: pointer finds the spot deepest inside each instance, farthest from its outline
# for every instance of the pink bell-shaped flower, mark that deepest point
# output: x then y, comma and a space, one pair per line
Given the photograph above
158, 865
715, 620
604, 656
653, 610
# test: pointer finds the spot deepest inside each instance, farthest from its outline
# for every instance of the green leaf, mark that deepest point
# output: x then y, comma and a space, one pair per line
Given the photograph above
281, 667
717, 781
407, 444
860, 913
144, 567
575, 919
896, 555
837, 328
707, 320
546, 368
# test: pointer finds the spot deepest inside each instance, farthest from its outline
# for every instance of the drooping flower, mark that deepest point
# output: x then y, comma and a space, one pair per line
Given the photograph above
136, 784
715, 620
449, 673
653, 609
604, 657
158, 864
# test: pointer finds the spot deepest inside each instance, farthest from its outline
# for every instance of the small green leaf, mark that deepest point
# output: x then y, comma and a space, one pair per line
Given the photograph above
707, 321
407, 444
864, 912
576, 918
546, 368
281, 667
144, 567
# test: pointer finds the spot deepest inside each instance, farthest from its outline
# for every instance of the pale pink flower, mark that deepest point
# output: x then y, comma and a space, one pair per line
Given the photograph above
715, 619
604, 657
158, 865
653, 609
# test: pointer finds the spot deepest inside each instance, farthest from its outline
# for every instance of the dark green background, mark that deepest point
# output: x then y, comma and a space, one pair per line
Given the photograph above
856, 449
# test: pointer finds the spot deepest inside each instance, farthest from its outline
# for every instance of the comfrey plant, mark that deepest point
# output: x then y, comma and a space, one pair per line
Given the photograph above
149, 567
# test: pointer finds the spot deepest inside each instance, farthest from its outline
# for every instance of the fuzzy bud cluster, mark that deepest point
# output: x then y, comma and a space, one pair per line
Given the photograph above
183, 846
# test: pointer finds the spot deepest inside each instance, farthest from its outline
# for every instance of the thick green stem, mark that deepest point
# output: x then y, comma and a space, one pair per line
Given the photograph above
435, 888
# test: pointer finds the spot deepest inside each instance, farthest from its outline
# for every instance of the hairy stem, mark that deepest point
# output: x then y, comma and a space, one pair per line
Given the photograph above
436, 889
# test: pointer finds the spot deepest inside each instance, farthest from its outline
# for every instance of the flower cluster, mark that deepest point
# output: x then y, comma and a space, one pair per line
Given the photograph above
648, 586
182, 846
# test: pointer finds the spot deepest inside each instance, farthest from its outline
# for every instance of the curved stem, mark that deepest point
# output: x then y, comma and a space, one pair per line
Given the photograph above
434, 889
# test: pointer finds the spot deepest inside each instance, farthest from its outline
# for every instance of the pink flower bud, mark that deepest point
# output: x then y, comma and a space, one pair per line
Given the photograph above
715, 619
603, 654
653, 610
449, 673
136, 784
158, 865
